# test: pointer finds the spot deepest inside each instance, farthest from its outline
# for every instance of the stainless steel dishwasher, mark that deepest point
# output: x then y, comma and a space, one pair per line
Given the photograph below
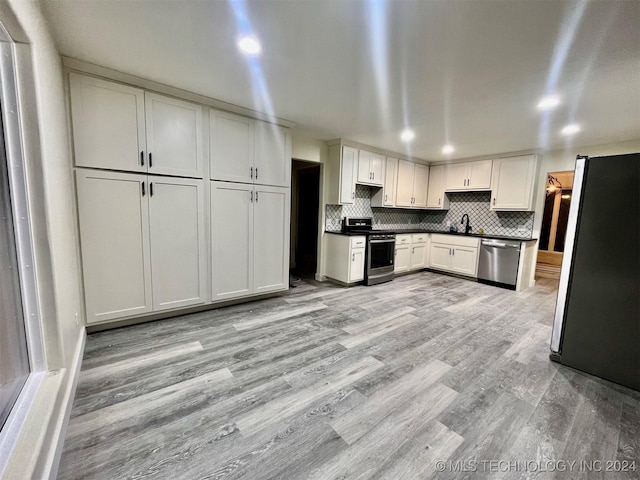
498, 262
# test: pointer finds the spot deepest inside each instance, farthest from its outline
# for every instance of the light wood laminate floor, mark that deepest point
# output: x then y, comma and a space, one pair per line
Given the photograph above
327, 382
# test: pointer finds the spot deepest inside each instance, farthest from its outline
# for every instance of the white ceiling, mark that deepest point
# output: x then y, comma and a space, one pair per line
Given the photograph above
469, 72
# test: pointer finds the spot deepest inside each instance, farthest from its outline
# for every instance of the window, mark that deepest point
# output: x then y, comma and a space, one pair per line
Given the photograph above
14, 359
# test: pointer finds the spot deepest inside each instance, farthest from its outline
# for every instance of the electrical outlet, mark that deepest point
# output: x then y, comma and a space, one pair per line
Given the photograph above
522, 228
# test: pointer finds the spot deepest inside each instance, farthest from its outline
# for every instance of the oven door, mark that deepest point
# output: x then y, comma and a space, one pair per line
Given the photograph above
381, 256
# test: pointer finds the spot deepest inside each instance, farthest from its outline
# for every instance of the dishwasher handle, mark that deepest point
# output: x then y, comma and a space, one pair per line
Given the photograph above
500, 244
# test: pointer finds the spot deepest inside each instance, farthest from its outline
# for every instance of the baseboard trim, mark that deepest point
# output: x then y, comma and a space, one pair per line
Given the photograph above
60, 432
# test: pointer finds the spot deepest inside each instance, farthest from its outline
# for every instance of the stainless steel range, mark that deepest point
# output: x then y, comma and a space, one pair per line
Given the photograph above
380, 250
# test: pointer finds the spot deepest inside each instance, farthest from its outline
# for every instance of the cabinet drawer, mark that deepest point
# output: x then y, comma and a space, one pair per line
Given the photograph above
358, 242
419, 238
403, 239
456, 240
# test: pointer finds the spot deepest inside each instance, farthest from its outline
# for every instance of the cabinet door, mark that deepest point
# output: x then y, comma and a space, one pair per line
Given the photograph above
391, 169
376, 166
272, 159
512, 183
404, 189
348, 174
480, 175
403, 258
420, 185
465, 261
436, 198
174, 136
230, 147
231, 239
440, 256
178, 245
456, 176
418, 256
364, 166
114, 233
108, 124
271, 209
356, 266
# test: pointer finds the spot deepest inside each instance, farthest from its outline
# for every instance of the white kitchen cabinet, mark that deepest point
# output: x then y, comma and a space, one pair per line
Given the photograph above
387, 196
272, 160
230, 147
419, 251
117, 127
108, 124
468, 176
248, 151
178, 244
114, 233
370, 168
513, 183
249, 239
341, 174
271, 239
412, 184
174, 131
436, 198
231, 239
345, 257
454, 254
143, 243
420, 185
402, 262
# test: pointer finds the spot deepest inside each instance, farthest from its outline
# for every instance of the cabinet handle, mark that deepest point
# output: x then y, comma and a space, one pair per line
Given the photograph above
413, 250
256, 196
353, 194
454, 252
494, 201
252, 172
142, 158
143, 192
256, 173
385, 198
353, 257
151, 189
251, 196
438, 201
150, 160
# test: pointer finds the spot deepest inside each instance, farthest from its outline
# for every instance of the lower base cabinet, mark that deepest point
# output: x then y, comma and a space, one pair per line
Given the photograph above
412, 252
249, 239
454, 254
142, 243
345, 257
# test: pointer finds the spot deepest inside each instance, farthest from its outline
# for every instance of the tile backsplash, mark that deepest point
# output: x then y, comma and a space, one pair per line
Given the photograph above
476, 204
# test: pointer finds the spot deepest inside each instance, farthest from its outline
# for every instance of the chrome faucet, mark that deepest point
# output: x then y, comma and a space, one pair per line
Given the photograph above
467, 228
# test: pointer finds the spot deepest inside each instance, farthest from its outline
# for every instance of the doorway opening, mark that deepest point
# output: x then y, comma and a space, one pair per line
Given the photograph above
554, 224
305, 204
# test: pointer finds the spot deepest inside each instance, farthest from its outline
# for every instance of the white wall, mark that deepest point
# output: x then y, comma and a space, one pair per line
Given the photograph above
55, 156
561, 160
304, 147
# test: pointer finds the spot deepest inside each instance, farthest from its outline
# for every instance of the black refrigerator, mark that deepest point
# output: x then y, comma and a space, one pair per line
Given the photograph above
597, 320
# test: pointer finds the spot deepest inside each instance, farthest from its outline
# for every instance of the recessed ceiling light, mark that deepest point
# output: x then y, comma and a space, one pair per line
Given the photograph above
249, 45
448, 149
548, 102
407, 135
570, 129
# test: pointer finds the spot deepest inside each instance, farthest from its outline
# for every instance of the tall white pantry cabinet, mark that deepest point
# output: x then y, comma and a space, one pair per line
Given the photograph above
156, 217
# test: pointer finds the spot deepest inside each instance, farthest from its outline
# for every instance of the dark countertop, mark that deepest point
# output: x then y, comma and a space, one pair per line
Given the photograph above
421, 230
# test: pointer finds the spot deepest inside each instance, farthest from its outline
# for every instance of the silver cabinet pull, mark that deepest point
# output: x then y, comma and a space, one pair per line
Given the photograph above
494, 201
353, 257
251, 172
256, 173
256, 197
385, 198
142, 158
353, 194
143, 191
150, 160
251, 196
150, 188
438, 201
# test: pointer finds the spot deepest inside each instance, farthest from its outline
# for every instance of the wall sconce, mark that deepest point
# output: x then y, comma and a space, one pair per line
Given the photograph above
553, 185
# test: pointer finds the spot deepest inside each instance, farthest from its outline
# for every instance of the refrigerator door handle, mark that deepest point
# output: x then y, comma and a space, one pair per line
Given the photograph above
567, 259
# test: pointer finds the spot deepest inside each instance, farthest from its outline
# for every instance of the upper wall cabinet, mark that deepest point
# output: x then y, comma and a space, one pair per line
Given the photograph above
249, 151
118, 127
436, 198
513, 182
386, 197
108, 124
412, 184
342, 172
467, 176
370, 168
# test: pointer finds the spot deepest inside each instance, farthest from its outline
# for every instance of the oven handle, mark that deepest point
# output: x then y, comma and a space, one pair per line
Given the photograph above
392, 240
